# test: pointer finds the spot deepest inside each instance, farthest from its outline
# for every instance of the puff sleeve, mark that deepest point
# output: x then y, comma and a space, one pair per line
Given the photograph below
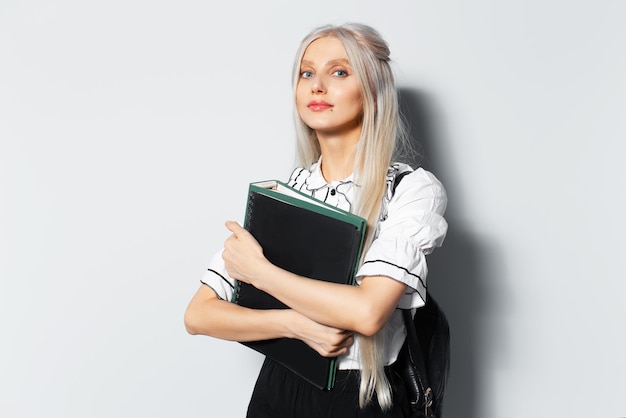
218, 279
414, 227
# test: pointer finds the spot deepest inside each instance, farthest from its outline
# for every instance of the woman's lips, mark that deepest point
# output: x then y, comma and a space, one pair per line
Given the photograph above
319, 105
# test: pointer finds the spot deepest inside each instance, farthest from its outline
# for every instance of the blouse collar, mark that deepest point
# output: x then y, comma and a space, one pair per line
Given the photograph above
316, 180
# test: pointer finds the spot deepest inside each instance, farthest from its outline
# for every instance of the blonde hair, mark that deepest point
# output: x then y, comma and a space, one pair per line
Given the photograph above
382, 135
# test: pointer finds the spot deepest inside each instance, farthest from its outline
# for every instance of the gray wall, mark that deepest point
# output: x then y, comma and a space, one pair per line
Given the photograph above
129, 131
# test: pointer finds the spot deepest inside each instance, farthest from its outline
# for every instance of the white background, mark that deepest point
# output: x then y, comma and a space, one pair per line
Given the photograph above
129, 131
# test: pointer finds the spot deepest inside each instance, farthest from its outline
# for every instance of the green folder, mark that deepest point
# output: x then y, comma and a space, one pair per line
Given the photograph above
307, 237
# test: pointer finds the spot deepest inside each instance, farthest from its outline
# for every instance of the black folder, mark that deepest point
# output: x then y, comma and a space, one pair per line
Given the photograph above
307, 237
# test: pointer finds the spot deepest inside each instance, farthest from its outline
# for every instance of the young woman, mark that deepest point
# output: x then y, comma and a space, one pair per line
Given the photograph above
348, 132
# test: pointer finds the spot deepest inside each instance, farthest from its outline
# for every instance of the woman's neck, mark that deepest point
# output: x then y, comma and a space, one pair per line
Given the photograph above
338, 153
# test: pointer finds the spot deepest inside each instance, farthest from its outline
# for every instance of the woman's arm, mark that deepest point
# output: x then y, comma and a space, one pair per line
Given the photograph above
395, 261
363, 309
207, 314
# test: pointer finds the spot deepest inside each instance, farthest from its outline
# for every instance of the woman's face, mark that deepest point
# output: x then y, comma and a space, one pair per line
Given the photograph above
328, 96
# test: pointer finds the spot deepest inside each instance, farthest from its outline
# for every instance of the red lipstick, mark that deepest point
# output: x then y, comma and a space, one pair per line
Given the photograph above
318, 105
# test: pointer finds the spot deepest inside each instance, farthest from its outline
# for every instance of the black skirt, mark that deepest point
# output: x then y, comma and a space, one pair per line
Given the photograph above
279, 393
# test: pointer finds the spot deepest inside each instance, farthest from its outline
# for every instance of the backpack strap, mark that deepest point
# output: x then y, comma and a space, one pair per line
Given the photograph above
394, 175
416, 375
412, 365
396, 180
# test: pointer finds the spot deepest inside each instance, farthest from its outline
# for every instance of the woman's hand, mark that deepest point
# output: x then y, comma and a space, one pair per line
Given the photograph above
243, 256
327, 341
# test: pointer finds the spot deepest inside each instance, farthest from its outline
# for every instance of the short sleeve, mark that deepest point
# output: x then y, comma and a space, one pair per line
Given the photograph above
218, 279
414, 227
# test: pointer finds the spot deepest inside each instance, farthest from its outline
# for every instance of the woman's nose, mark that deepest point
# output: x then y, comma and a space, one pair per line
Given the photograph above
318, 86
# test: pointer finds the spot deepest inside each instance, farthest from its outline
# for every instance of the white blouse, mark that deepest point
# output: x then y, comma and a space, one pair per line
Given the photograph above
411, 227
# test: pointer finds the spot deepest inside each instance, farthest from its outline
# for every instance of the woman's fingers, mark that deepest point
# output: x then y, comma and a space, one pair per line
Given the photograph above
242, 253
327, 341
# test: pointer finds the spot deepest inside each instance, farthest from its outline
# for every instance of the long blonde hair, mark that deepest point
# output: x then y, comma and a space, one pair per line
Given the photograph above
382, 134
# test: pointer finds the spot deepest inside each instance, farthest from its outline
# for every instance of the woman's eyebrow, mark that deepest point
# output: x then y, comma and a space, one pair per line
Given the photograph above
338, 61
329, 63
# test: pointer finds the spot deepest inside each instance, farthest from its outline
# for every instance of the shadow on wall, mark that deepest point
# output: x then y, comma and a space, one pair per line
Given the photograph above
463, 272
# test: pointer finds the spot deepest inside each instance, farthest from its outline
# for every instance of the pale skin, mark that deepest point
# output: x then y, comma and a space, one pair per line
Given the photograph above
324, 315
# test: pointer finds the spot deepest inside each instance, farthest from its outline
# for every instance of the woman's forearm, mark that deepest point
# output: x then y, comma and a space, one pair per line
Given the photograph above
363, 309
228, 321
208, 315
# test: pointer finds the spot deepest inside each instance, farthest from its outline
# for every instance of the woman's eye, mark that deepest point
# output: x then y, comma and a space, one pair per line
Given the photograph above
340, 73
306, 74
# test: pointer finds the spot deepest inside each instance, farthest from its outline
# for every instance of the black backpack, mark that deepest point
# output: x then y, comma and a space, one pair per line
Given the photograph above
424, 360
